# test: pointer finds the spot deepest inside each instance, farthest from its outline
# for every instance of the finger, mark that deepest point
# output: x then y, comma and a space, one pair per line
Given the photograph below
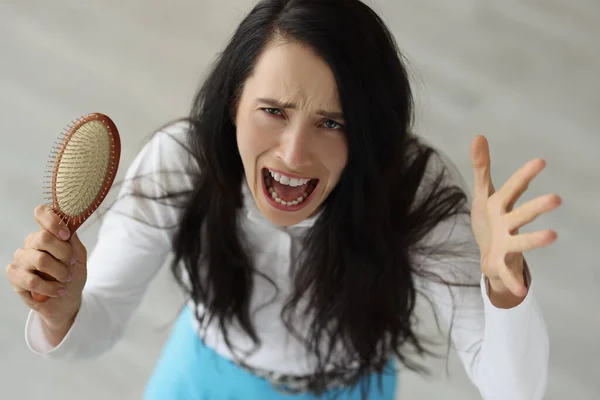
11, 272
35, 260
513, 282
518, 183
28, 300
529, 241
480, 159
24, 280
44, 240
529, 211
79, 250
47, 219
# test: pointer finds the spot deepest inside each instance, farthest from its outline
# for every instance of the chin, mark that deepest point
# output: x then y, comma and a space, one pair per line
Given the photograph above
276, 218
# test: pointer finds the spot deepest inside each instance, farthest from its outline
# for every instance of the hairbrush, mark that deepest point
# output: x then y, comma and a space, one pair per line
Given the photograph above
82, 168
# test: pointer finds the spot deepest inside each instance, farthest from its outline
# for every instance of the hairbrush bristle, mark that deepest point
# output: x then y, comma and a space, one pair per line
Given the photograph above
81, 168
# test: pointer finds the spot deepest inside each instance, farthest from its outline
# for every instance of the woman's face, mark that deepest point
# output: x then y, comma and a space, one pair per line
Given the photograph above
290, 133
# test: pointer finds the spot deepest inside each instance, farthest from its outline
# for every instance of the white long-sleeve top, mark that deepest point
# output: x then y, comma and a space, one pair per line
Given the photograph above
504, 351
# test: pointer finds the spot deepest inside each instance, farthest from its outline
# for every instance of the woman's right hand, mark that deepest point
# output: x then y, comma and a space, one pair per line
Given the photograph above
50, 252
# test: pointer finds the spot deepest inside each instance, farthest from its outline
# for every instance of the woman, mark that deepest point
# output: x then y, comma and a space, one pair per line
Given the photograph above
304, 217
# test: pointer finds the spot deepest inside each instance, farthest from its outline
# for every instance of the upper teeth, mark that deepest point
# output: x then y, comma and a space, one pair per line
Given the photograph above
286, 180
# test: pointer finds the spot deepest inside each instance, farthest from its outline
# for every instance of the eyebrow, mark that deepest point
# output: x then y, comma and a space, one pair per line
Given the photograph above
277, 104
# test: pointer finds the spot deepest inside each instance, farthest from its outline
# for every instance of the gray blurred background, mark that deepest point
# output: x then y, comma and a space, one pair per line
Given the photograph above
526, 73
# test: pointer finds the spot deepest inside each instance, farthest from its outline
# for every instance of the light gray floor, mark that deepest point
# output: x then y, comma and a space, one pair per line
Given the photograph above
525, 73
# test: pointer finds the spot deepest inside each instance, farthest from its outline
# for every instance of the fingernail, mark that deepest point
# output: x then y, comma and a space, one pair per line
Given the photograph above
62, 292
69, 278
64, 234
73, 260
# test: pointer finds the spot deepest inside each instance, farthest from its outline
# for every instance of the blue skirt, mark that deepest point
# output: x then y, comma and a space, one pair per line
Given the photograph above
189, 370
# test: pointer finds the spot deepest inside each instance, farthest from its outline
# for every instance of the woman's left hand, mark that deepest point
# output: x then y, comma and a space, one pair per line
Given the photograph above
496, 225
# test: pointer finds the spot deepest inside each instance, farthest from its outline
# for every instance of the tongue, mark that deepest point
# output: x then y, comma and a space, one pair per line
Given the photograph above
289, 193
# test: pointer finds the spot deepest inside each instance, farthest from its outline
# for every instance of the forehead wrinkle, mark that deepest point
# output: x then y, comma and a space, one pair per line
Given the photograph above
308, 102
310, 89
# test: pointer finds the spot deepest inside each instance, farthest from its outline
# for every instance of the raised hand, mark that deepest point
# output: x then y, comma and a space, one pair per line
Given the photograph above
496, 225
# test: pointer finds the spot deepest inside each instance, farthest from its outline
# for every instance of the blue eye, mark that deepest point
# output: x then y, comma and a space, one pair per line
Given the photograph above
272, 111
331, 124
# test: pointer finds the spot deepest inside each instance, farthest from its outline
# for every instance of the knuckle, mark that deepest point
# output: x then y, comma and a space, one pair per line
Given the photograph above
40, 212
64, 276
10, 270
42, 261
56, 290
45, 216
17, 254
69, 253
33, 282
45, 236
29, 240
61, 273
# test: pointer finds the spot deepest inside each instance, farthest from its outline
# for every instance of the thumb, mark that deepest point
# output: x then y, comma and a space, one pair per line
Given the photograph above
78, 248
480, 159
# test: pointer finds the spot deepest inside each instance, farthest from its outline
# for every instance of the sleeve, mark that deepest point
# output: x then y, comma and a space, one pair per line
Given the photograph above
504, 351
133, 242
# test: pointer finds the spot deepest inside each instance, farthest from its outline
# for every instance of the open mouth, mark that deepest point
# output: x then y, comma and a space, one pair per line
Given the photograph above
287, 193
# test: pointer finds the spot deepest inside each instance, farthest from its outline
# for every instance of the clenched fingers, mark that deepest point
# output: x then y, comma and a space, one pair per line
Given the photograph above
37, 260
25, 280
44, 240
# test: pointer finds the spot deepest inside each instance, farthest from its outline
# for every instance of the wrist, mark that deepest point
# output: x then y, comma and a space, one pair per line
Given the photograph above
518, 265
56, 331
62, 320
54, 326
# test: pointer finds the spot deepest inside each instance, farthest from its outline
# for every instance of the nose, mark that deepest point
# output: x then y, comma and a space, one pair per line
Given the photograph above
295, 148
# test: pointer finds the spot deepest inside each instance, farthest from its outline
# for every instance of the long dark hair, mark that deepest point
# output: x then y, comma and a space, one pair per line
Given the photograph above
356, 276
